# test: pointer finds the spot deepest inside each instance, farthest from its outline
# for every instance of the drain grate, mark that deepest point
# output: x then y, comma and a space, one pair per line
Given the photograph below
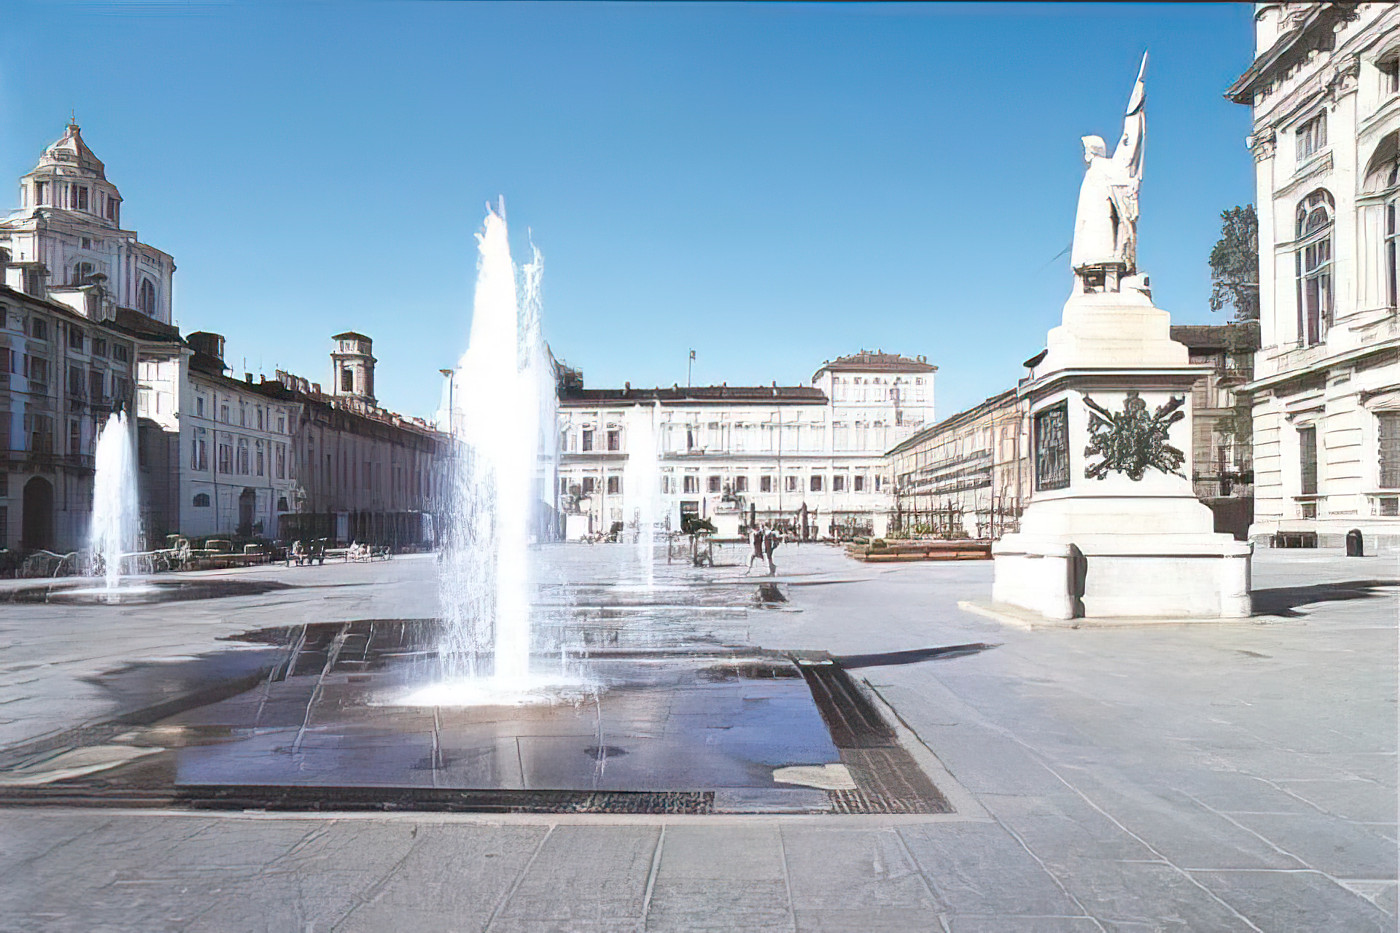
852, 719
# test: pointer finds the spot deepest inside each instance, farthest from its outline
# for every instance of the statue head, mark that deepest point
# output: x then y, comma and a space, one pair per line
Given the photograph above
1093, 147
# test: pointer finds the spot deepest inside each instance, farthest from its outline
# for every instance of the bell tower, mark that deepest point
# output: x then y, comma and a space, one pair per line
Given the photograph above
352, 367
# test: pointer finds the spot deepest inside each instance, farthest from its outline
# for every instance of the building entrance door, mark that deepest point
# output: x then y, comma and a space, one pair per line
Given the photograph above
36, 525
246, 499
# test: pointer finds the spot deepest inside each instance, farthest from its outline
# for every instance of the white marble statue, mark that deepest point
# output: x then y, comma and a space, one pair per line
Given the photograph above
1105, 227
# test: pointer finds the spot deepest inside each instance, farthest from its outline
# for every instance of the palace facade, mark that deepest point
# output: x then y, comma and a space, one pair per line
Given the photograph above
1325, 92
806, 457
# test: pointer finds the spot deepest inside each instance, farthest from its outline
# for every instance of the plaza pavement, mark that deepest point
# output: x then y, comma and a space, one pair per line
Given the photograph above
1199, 777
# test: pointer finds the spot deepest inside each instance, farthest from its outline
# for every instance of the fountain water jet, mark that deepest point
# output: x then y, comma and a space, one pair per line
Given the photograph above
115, 507
641, 482
503, 389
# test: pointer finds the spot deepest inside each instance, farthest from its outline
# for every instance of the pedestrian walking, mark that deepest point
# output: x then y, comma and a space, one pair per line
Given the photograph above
756, 541
771, 540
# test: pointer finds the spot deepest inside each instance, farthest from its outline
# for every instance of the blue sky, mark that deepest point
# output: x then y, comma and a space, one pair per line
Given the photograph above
770, 185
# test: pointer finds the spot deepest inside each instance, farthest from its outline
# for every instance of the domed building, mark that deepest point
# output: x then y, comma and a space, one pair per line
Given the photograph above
66, 243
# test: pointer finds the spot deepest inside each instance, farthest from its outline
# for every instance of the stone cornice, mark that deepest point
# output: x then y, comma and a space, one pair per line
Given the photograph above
1315, 30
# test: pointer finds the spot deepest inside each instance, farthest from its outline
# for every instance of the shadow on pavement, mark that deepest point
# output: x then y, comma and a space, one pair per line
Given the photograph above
1284, 600
891, 658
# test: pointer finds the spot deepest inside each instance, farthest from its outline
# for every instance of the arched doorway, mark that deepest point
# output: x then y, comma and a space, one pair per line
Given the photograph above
36, 524
246, 499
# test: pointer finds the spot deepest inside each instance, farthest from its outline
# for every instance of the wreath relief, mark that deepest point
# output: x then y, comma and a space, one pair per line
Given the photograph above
1132, 440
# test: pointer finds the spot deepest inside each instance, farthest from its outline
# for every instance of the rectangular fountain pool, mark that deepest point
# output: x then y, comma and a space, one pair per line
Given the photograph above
324, 725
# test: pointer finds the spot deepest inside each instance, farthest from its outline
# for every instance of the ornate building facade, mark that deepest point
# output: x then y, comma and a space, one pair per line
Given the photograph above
801, 456
216, 455
1325, 92
967, 476
362, 473
61, 376
66, 240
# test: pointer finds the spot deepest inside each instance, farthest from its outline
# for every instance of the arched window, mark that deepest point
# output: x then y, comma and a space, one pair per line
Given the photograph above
201, 500
146, 298
81, 274
1314, 265
1383, 179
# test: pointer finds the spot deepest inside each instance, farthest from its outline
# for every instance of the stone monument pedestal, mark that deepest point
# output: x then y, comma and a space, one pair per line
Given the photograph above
1114, 529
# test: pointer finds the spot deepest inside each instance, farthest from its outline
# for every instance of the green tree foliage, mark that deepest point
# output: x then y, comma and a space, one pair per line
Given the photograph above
1234, 264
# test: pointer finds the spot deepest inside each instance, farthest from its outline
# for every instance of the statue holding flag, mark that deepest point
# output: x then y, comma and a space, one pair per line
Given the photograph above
1105, 226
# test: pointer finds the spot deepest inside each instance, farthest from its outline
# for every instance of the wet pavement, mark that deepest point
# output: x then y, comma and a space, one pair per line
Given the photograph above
1209, 777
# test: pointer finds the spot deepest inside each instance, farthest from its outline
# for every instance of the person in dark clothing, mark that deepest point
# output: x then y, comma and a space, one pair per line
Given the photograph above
771, 539
755, 539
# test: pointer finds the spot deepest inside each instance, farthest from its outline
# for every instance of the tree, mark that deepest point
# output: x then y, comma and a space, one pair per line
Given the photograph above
1234, 264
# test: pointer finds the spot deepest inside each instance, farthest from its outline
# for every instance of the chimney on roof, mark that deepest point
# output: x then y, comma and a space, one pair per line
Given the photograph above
248, 378
209, 344
627, 387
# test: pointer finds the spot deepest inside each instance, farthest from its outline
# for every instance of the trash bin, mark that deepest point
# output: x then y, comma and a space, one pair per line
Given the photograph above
1355, 547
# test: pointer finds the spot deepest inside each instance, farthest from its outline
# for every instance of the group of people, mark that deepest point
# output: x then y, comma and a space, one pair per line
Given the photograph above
765, 540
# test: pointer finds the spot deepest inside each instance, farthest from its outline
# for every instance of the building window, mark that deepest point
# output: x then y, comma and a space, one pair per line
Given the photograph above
38, 328
1314, 262
614, 440
614, 485
81, 274
121, 352
99, 346
1388, 448
1390, 75
587, 439
816, 483
347, 380
146, 298
199, 406
765, 484
75, 339
1312, 137
858, 483
589, 484
1307, 460
225, 458
41, 193
258, 459
281, 461
691, 485
712, 484
838, 483
78, 197
741, 484
243, 456
199, 450
1391, 294
201, 500
791, 484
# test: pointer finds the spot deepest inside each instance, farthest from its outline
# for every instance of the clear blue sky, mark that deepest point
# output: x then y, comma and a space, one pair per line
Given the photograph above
771, 185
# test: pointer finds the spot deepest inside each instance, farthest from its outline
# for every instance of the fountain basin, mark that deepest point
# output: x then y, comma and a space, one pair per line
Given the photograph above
136, 591
318, 717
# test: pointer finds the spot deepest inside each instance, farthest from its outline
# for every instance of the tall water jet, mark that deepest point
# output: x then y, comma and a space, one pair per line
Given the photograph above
641, 485
115, 507
497, 388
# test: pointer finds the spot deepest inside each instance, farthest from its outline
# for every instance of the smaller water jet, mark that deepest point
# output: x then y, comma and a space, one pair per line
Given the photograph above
641, 482
115, 503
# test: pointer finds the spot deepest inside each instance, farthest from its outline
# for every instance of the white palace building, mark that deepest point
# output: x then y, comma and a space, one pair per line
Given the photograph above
809, 458
1325, 93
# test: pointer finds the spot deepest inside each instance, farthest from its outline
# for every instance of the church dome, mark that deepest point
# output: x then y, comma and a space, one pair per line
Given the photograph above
72, 151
